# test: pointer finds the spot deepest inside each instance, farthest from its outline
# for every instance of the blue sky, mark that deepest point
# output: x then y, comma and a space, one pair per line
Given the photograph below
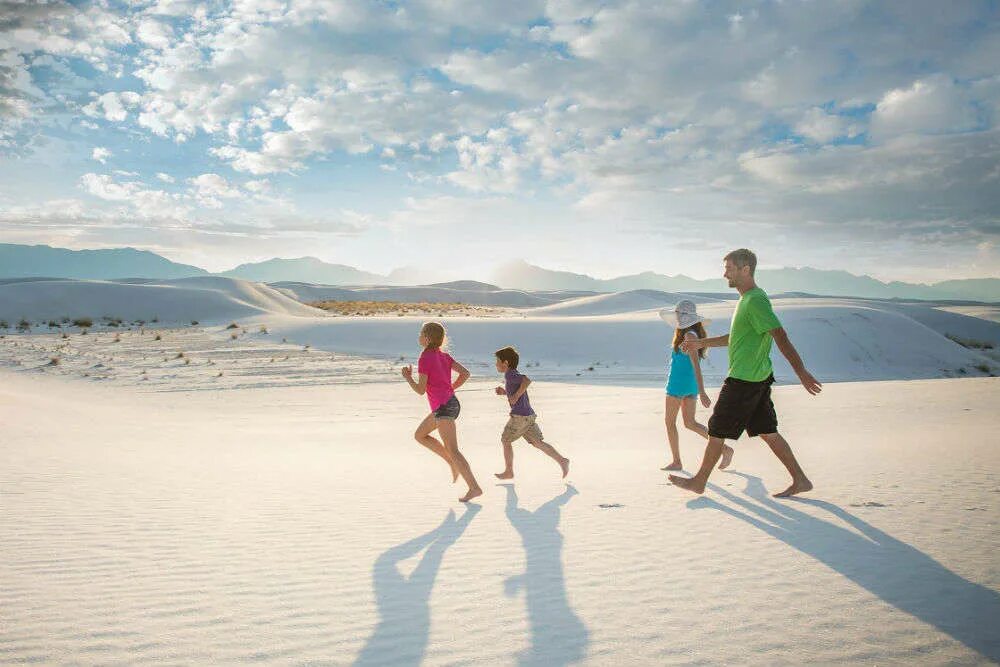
598, 137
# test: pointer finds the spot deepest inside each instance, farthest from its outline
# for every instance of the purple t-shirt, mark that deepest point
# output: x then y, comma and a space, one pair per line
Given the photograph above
512, 381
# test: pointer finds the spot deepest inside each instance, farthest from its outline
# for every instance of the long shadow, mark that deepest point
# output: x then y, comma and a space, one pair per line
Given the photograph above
404, 624
558, 636
896, 572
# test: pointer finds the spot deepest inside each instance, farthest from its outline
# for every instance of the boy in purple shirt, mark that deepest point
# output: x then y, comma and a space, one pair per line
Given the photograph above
522, 422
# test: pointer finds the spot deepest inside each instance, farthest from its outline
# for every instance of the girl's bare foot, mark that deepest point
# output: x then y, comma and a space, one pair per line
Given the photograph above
676, 465
727, 457
689, 484
564, 464
506, 474
473, 493
797, 487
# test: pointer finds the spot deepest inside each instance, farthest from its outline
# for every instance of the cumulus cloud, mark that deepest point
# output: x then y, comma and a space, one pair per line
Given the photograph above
100, 154
650, 115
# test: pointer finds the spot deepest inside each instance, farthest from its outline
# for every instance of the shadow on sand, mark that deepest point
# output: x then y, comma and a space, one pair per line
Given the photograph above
404, 623
558, 636
899, 574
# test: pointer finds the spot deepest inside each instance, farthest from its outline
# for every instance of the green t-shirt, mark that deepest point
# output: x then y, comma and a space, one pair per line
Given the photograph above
750, 337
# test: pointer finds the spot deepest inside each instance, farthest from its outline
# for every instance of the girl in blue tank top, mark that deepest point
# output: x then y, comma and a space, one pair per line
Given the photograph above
685, 381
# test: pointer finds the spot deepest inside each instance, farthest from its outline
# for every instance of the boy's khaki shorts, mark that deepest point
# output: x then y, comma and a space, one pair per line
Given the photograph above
519, 426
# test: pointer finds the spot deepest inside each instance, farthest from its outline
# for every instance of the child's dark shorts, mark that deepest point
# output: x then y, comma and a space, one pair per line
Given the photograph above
743, 406
449, 409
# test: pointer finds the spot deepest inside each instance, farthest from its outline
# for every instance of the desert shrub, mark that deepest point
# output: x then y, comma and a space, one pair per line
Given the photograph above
263, 329
54, 361
65, 335
64, 319
155, 319
194, 323
233, 336
83, 322
970, 343
4, 324
180, 355
233, 325
983, 368
158, 337
53, 324
23, 325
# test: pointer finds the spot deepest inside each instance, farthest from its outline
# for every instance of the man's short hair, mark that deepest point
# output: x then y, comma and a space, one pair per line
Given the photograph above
741, 258
509, 355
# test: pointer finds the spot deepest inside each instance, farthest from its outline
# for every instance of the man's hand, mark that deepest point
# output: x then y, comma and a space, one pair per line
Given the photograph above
692, 345
500, 391
408, 372
812, 385
705, 400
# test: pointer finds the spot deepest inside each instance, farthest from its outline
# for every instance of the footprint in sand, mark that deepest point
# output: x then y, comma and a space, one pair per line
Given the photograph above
868, 503
608, 506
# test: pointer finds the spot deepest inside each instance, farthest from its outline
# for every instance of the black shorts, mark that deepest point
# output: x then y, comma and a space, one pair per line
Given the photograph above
449, 409
743, 405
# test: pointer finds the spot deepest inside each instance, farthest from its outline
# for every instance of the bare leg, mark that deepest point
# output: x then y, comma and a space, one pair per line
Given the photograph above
691, 424
697, 483
551, 452
424, 437
446, 427
671, 407
508, 461
781, 449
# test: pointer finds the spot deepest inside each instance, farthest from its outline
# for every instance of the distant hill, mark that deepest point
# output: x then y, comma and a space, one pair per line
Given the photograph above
304, 270
29, 261
521, 275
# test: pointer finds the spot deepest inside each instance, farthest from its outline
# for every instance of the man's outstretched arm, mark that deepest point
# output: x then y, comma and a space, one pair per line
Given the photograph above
811, 384
694, 344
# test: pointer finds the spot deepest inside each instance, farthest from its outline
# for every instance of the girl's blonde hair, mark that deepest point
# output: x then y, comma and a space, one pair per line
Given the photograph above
679, 334
434, 333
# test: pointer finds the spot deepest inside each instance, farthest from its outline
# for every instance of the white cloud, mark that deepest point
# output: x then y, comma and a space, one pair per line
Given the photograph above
931, 105
155, 33
100, 154
166, 178
822, 127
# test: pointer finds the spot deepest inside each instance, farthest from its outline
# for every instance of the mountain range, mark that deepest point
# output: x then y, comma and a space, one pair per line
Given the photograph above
23, 261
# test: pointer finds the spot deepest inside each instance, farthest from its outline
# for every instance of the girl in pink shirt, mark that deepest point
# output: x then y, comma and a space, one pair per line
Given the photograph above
434, 379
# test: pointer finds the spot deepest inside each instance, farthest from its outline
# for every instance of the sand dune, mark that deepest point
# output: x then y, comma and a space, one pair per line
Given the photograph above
171, 301
458, 292
841, 340
618, 303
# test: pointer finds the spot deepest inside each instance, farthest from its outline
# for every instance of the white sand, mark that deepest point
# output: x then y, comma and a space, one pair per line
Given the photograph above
302, 524
182, 300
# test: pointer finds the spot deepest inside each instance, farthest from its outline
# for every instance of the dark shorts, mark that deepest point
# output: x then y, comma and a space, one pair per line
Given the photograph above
449, 410
743, 406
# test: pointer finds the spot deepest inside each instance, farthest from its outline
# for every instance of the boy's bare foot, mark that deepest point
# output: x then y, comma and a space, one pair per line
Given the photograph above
473, 493
797, 487
506, 474
564, 464
727, 457
676, 465
687, 483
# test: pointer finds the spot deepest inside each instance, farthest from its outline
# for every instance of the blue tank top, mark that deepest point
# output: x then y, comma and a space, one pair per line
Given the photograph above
681, 381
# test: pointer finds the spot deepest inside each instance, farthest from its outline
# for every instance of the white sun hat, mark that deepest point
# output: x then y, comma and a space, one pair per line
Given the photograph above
683, 315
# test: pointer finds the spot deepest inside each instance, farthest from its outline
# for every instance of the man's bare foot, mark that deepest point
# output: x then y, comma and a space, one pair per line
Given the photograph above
564, 464
473, 493
689, 484
797, 487
727, 457
676, 465
506, 474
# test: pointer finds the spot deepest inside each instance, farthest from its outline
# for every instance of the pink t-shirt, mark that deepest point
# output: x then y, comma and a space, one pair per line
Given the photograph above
436, 365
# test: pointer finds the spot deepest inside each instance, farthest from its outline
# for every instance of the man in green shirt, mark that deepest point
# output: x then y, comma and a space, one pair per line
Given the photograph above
745, 400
